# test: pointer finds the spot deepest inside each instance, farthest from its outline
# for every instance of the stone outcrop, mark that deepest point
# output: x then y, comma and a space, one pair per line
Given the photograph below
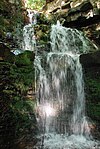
80, 14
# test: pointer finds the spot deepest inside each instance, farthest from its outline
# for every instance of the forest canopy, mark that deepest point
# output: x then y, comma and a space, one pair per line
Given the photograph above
35, 4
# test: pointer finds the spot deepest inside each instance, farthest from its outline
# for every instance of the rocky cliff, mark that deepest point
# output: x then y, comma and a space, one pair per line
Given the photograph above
80, 14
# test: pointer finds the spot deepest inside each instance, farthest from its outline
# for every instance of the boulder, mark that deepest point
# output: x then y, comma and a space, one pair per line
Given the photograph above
5, 54
81, 16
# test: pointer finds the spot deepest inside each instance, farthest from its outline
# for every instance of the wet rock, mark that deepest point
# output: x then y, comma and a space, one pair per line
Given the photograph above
5, 54
82, 15
91, 69
82, 7
77, 14
90, 59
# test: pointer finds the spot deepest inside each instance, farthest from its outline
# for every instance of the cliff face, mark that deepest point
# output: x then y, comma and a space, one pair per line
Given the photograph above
80, 14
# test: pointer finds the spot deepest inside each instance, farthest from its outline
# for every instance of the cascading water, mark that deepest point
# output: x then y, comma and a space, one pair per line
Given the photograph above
29, 39
61, 101
29, 42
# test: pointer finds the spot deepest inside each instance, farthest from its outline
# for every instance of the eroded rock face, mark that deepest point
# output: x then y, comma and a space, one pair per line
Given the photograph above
80, 14
54, 5
75, 12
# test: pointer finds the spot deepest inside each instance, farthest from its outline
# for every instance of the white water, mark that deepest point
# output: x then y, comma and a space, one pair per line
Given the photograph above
29, 42
61, 101
56, 141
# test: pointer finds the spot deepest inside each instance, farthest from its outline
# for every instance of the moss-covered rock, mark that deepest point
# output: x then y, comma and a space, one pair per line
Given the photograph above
17, 118
42, 32
5, 54
92, 91
25, 58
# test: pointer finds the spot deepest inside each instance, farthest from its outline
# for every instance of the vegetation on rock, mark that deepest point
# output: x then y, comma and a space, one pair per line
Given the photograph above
92, 89
17, 112
10, 16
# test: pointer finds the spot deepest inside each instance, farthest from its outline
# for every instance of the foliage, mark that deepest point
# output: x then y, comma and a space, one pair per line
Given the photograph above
10, 17
17, 110
93, 96
35, 4
23, 113
93, 86
93, 111
24, 58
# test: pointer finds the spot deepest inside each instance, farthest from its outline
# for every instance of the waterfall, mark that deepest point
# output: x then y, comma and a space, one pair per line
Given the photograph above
29, 42
61, 101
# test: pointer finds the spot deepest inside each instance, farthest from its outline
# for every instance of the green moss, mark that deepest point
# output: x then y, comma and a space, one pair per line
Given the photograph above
35, 4
93, 86
25, 58
94, 111
24, 117
3, 5
15, 82
24, 78
16, 78
92, 82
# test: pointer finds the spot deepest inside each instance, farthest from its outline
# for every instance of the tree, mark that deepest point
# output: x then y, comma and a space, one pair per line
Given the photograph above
35, 4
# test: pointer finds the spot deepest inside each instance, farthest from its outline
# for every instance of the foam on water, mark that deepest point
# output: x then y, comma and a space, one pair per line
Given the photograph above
61, 141
61, 100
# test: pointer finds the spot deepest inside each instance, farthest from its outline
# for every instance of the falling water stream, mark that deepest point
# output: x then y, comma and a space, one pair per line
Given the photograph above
61, 102
29, 41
